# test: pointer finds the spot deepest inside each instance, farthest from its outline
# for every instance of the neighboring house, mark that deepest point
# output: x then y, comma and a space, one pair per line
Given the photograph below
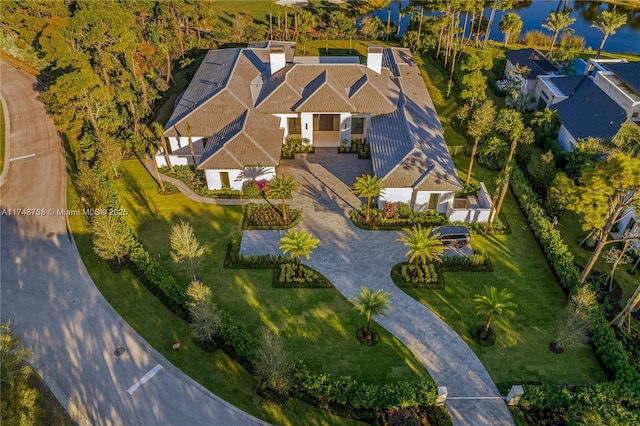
593, 104
243, 103
525, 65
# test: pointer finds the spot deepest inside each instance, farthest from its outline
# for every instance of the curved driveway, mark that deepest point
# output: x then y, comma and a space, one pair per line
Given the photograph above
52, 303
350, 258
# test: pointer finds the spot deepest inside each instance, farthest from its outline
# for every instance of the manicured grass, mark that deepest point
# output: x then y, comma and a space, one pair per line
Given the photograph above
319, 325
158, 326
521, 353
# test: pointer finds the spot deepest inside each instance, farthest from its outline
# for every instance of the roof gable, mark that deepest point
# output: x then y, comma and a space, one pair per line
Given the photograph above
324, 98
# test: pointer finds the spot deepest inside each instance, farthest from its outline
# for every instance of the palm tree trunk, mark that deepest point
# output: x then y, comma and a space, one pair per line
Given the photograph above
485, 330
493, 14
494, 200
299, 270
166, 153
474, 150
388, 23
369, 326
604, 39
602, 241
505, 189
155, 168
368, 215
284, 211
420, 26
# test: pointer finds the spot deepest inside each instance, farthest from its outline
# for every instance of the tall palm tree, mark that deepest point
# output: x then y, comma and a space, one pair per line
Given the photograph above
510, 25
493, 303
479, 126
298, 244
368, 186
556, 22
608, 23
422, 246
282, 186
372, 304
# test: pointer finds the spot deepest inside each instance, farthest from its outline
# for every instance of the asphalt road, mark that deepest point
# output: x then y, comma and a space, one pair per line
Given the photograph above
54, 306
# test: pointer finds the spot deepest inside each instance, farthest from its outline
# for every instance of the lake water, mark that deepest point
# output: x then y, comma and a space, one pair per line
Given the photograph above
534, 13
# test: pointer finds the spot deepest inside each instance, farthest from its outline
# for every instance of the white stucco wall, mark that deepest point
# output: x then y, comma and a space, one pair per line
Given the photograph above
284, 124
175, 160
421, 202
237, 177
179, 142
396, 195
306, 122
345, 125
567, 141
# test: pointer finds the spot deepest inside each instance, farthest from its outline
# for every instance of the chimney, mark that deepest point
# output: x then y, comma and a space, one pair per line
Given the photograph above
277, 59
374, 58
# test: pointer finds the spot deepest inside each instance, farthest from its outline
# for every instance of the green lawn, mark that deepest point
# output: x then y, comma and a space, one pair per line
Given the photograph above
521, 353
319, 325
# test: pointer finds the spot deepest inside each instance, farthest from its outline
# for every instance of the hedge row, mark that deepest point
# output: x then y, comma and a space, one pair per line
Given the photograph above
622, 397
363, 401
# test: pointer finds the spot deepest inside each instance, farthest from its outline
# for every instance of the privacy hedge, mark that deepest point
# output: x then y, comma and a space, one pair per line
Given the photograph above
615, 403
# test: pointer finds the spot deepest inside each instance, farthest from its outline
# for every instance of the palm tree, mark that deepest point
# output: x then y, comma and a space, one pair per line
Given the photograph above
493, 303
372, 304
479, 126
282, 186
546, 120
556, 22
608, 23
368, 186
298, 244
422, 246
510, 25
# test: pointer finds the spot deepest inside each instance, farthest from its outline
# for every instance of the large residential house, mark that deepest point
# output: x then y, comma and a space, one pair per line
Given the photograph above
243, 103
593, 104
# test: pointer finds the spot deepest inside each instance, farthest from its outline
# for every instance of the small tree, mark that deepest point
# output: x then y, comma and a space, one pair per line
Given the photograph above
372, 304
618, 256
545, 171
20, 400
368, 186
547, 121
491, 304
282, 186
576, 320
422, 246
205, 318
272, 364
111, 238
185, 246
479, 126
110, 155
298, 244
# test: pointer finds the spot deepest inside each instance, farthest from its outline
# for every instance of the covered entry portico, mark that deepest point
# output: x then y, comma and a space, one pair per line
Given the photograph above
326, 130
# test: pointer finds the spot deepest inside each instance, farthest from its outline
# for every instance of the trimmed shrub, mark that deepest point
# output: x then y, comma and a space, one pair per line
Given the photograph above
293, 145
265, 216
250, 189
285, 277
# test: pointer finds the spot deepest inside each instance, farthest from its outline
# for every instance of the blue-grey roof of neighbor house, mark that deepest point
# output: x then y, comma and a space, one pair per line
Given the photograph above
629, 73
567, 83
535, 61
408, 149
590, 112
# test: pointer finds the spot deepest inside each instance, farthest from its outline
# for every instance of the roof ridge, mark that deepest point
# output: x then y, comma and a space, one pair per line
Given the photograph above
260, 147
285, 81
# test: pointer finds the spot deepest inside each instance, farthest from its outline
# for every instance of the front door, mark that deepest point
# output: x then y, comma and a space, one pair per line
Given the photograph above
224, 178
329, 122
326, 130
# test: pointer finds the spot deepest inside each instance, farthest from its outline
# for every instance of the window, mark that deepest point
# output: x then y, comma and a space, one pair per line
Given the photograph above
544, 95
294, 126
634, 115
357, 126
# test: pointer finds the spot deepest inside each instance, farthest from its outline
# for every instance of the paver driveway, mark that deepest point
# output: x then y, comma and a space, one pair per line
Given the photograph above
350, 258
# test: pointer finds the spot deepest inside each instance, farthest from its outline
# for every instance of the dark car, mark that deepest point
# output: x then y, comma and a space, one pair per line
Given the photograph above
456, 236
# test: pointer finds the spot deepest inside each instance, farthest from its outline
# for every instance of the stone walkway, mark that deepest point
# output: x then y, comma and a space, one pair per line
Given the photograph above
351, 258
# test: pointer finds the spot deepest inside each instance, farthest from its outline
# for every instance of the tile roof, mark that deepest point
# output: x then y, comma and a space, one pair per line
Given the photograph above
628, 73
535, 61
590, 112
231, 99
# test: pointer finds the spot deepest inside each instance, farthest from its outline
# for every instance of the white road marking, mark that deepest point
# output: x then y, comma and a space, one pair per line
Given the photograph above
22, 157
144, 379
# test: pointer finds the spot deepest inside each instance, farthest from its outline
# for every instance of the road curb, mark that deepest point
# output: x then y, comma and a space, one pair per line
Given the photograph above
7, 131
